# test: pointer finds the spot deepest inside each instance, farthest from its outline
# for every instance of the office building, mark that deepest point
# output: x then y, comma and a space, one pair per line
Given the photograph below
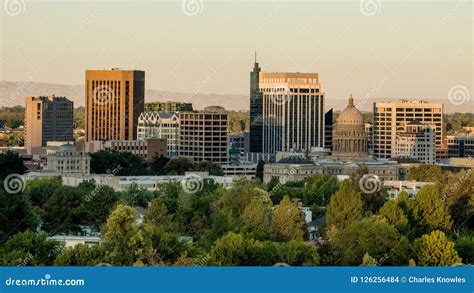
168, 107
113, 100
67, 160
47, 119
389, 120
460, 146
203, 135
417, 141
236, 147
328, 117
160, 125
286, 111
148, 148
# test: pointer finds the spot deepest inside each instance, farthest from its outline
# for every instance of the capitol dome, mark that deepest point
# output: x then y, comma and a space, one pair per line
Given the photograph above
350, 115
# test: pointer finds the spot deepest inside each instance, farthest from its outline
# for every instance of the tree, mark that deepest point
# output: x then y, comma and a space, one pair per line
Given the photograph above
370, 188
259, 170
368, 261
212, 168
11, 163
117, 163
63, 211
373, 236
81, 255
257, 216
177, 166
296, 253
426, 173
435, 249
30, 249
97, 204
345, 206
432, 213
395, 215
158, 164
136, 196
319, 189
16, 214
167, 246
125, 241
40, 190
465, 247
157, 215
288, 221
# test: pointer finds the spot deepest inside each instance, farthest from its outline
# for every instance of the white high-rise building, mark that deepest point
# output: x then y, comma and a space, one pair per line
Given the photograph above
160, 125
417, 141
390, 119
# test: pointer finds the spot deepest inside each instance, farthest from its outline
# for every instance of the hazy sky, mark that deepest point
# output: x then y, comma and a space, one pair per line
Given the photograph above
410, 49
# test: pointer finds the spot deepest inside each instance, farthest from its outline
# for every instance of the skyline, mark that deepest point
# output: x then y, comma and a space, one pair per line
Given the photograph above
185, 51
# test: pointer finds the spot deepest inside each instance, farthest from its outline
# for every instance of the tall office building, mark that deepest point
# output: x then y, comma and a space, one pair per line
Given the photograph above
417, 141
328, 117
203, 135
168, 107
286, 111
113, 99
47, 119
160, 125
256, 111
390, 119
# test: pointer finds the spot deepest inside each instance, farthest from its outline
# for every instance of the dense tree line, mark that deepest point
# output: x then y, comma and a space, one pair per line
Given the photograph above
249, 224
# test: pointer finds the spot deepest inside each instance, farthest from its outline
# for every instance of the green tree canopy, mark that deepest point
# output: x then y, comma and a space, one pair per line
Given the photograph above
11, 163
435, 249
30, 249
288, 221
345, 206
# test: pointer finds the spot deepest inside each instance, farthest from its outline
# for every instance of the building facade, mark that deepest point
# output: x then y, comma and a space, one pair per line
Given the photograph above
389, 120
160, 125
114, 100
47, 119
67, 161
328, 125
417, 141
286, 111
168, 107
460, 146
203, 135
148, 148
350, 141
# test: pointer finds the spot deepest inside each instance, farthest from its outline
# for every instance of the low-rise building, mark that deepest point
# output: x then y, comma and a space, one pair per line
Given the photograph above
460, 146
395, 187
148, 149
241, 170
160, 125
68, 160
417, 141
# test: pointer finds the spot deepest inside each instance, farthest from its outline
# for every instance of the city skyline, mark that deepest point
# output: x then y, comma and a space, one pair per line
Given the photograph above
386, 58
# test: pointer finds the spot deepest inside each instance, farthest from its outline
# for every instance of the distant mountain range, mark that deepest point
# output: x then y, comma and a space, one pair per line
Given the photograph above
12, 93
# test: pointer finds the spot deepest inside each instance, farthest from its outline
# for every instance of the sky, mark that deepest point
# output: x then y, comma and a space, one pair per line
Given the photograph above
381, 48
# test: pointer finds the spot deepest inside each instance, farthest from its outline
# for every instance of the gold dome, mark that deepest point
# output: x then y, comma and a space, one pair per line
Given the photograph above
350, 115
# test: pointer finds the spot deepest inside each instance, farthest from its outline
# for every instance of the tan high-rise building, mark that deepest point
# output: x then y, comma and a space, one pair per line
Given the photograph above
390, 119
47, 119
114, 99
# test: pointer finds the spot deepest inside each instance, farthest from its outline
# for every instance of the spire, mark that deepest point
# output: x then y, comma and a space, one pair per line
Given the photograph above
255, 56
351, 100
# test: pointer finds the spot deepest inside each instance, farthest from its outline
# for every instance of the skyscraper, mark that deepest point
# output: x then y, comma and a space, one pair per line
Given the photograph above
256, 111
390, 119
114, 100
47, 119
286, 111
